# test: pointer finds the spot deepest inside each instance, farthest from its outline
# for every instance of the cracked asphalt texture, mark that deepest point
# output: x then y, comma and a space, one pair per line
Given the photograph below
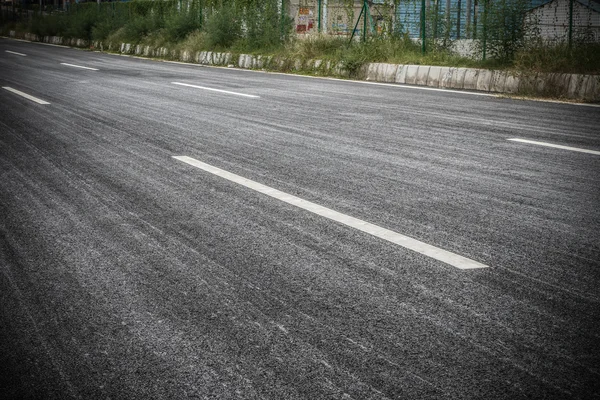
125, 273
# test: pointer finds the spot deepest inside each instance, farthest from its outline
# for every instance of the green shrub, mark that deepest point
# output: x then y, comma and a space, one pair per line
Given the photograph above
538, 56
179, 25
503, 28
80, 21
223, 27
50, 25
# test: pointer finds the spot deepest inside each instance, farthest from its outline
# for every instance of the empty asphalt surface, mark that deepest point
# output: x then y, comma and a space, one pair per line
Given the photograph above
128, 273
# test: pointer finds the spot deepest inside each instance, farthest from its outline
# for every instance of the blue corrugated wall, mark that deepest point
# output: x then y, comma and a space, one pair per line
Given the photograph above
409, 15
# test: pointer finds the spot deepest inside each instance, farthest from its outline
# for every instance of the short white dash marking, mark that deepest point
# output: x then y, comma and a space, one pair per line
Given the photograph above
14, 52
407, 242
216, 90
556, 146
79, 66
27, 96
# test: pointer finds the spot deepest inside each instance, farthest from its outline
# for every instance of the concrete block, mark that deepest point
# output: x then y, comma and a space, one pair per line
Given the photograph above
445, 77
203, 57
540, 83
411, 74
267, 61
387, 72
258, 62
471, 78
372, 71
562, 82
593, 88
497, 81
422, 75
458, 78
587, 84
221, 59
401, 74
338, 69
575, 86
511, 83
433, 78
484, 80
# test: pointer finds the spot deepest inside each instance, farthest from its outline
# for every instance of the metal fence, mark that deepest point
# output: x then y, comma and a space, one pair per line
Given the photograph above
457, 19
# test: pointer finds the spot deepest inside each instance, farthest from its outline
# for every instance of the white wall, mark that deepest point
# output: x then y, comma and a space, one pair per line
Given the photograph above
552, 21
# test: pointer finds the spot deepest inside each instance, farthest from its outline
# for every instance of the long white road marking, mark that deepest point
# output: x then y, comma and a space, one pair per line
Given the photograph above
412, 244
556, 146
14, 52
27, 96
79, 66
216, 90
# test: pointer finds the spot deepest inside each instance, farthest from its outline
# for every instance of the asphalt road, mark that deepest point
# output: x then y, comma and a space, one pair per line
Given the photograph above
129, 274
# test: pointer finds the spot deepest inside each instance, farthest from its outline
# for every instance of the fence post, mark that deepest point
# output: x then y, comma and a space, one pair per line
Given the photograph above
282, 18
468, 18
366, 7
570, 23
319, 8
423, 28
325, 16
485, 22
458, 11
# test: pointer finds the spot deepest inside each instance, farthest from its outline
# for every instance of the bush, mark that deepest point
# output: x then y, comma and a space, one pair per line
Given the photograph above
538, 56
50, 25
179, 25
80, 21
503, 28
223, 27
